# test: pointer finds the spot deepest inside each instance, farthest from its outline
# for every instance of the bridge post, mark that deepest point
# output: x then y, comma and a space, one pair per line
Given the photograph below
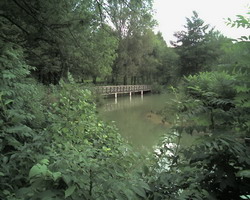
141, 94
115, 98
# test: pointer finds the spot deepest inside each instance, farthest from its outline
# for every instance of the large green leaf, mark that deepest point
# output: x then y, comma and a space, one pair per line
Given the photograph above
38, 170
69, 191
140, 191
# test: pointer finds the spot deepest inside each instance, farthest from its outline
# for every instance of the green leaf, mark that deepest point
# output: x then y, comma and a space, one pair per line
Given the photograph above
6, 192
244, 38
38, 170
19, 129
70, 191
245, 196
140, 191
129, 194
145, 186
56, 175
44, 161
244, 173
47, 195
8, 101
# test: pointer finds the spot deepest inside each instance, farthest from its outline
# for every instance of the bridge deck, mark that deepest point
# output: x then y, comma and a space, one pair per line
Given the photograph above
122, 89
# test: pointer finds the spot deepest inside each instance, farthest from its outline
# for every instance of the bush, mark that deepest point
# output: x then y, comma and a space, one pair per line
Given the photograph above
59, 149
215, 168
22, 121
156, 88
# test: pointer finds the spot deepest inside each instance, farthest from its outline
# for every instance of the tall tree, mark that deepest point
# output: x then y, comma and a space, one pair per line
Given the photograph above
194, 46
167, 61
58, 36
131, 20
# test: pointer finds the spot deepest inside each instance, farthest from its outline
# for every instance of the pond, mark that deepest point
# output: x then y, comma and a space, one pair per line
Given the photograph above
137, 122
135, 118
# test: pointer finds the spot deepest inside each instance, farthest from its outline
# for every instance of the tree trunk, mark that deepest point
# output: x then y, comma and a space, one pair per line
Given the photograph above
143, 79
94, 79
125, 80
212, 119
133, 80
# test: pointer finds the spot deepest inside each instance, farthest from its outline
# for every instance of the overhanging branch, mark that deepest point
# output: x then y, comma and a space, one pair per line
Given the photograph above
16, 24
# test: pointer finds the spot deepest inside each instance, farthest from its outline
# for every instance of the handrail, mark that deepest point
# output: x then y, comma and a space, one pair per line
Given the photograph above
105, 90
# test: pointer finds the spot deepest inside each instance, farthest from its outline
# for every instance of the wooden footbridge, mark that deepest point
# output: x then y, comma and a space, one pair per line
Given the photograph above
122, 89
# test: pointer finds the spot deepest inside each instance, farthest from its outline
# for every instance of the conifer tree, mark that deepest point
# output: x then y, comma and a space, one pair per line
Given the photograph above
193, 46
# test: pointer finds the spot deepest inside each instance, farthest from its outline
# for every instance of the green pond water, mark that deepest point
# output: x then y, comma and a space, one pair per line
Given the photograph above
134, 118
136, 121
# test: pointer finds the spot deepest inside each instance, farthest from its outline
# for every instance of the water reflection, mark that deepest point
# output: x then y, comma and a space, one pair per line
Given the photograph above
130, 115
136, 123
122, 103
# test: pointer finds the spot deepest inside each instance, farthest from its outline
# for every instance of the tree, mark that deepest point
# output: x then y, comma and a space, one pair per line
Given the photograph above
167, 61
131, 21
96, 55
194, 46
58, 37
242, 70
215, 104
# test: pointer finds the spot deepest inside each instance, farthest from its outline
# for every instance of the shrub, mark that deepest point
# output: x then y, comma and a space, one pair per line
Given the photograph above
156, 88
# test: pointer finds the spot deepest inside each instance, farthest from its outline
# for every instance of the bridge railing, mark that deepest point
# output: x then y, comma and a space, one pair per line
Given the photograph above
122, 89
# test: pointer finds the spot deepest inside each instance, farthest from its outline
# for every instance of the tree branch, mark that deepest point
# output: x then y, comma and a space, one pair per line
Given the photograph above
17, 25
100, 10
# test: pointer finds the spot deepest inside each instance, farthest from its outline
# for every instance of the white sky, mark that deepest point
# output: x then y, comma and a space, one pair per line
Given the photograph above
171, 15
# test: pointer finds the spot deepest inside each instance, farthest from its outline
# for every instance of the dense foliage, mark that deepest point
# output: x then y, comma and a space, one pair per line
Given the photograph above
215, 106
54, 146
111, 41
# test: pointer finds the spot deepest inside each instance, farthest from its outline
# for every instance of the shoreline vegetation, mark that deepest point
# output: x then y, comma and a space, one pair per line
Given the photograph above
53, 146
